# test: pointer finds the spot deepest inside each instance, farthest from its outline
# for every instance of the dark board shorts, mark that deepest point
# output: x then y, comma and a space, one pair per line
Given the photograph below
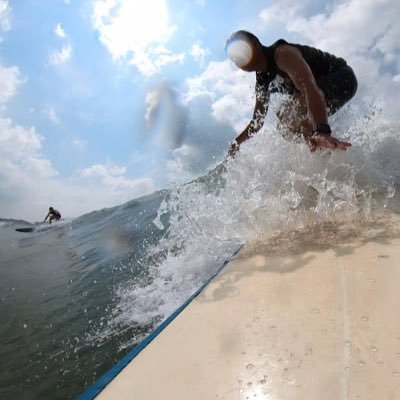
338, 87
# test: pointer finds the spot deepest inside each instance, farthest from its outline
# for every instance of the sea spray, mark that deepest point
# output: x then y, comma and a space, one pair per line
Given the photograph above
271, 186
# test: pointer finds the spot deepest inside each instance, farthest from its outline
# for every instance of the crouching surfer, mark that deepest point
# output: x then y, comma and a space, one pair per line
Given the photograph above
317, 84
53, 214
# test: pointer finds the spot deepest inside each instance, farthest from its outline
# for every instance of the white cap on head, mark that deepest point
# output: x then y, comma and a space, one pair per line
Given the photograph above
240, 52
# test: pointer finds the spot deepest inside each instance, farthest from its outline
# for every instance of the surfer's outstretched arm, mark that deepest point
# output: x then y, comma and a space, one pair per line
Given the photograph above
256, 123
290, 60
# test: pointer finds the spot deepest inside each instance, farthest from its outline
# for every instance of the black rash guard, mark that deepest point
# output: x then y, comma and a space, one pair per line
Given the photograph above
56, 214
332, 74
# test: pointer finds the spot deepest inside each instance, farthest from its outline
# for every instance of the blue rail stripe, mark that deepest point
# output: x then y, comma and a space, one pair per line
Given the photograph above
92, 391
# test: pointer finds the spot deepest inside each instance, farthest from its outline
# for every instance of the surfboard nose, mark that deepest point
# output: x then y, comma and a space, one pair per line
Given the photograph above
309, 314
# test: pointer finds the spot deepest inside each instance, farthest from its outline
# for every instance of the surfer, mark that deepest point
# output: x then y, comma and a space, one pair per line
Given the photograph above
54, 215
318, 84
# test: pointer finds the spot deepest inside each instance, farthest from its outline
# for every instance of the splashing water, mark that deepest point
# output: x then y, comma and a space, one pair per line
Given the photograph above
272, 185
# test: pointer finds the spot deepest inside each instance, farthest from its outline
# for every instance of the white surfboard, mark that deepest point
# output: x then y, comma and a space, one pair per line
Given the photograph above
309, 314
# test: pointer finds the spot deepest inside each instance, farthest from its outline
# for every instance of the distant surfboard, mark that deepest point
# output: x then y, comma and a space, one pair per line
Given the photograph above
24, 229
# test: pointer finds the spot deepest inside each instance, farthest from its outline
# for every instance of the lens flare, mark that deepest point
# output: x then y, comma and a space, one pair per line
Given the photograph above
240, 52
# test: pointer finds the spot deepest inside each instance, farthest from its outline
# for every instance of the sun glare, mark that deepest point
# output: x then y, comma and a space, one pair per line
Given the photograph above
137, 24
137, 31
149, 19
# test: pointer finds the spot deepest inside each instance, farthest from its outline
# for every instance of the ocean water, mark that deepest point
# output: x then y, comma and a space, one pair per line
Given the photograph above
76, 296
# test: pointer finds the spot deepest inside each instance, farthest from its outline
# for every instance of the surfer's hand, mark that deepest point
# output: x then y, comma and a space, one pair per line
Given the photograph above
233, 149
323, 140
245, 135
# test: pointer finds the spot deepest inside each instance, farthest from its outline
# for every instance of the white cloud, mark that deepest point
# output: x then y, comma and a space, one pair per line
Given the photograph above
230, 89
277, 11
113, 178
166, 57
10, 79
352, 27
5, 24
79, 144
137, 31
59, 31
58, 57
20, 155
177, 167
17, 142
52, 115
199, 53
102, 171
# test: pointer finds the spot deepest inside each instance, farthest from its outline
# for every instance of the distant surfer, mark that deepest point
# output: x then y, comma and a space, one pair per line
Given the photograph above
53, 214
317, 82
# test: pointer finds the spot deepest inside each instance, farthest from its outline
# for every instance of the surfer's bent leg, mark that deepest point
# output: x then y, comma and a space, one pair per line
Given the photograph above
338, 87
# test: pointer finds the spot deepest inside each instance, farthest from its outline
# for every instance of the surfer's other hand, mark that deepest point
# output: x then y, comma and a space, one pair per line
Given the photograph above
323, 140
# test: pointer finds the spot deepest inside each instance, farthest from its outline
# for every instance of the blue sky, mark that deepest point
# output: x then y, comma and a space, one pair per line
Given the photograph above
102, 101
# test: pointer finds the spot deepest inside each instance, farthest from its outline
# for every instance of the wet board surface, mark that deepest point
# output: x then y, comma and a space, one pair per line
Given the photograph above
309, 314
